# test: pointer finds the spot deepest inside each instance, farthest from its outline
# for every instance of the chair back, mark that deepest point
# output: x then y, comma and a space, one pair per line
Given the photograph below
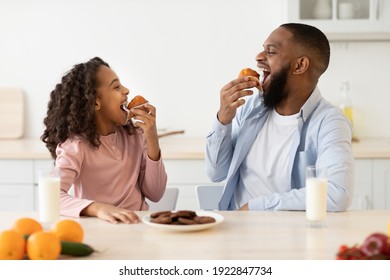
167, 202
208, 196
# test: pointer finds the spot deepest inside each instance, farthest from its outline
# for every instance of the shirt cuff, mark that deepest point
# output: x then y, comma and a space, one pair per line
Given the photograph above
221, 129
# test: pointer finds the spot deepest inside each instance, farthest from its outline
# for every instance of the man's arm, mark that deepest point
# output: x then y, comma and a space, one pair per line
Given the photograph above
219, 151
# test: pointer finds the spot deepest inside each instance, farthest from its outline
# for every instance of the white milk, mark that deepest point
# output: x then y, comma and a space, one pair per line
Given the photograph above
49, 199
316, 199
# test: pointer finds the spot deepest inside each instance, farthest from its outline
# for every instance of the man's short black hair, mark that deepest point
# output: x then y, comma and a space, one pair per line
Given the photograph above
313, 40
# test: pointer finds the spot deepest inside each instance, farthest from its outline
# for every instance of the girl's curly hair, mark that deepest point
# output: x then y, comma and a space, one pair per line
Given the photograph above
71, 108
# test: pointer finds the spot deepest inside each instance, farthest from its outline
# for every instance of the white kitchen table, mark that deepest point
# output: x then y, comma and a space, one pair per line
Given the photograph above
242, 235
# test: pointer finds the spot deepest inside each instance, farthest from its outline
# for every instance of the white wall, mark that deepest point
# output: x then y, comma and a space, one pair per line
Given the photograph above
366, 66
177, 53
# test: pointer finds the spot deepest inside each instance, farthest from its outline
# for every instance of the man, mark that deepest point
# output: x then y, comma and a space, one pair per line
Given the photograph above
262, 145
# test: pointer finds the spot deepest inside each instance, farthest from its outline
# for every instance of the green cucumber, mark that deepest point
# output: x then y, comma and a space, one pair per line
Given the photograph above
75, 249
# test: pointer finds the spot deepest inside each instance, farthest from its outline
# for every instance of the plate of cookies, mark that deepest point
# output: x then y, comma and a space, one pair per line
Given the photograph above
183, 220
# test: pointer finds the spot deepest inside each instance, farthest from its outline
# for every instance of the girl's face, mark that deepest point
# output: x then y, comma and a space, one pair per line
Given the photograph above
110, 95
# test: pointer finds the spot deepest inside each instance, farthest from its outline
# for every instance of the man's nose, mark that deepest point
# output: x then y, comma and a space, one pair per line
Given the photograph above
260, 56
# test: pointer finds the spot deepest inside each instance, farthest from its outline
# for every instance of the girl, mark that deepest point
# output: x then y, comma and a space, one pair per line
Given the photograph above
112, 164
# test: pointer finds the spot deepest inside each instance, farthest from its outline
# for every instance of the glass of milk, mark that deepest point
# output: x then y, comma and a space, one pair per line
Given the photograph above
49, 195
316, 188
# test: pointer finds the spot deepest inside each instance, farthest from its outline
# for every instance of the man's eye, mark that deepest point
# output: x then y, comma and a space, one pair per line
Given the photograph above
270, 52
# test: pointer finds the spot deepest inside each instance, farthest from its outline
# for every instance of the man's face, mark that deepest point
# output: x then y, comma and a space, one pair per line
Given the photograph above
276, 89
275, 61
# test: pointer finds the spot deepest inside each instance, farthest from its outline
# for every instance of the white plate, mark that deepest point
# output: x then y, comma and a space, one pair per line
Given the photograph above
218, 219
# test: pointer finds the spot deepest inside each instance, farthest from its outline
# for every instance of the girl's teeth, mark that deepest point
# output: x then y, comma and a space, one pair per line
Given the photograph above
124, 107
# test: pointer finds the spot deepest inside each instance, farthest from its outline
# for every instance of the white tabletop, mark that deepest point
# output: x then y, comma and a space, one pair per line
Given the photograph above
242, 235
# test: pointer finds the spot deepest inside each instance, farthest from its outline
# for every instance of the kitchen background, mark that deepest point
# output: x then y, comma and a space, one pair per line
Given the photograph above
177, 53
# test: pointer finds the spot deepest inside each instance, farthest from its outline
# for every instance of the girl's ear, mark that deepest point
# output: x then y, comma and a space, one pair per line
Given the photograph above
301, 65
97, 104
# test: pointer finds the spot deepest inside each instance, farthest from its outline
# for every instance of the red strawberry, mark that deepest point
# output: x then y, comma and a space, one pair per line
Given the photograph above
350, 253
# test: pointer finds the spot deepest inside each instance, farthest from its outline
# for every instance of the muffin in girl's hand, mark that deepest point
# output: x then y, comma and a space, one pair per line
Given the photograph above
138, 101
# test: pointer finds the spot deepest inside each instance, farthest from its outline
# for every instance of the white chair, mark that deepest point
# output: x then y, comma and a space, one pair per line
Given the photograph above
167, 202
208, 196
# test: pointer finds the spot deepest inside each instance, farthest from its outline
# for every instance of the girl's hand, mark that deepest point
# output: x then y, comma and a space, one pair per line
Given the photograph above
110, 213
147, 117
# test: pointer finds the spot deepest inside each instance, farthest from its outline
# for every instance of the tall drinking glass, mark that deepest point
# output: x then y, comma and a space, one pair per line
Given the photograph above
49, 195
316, 189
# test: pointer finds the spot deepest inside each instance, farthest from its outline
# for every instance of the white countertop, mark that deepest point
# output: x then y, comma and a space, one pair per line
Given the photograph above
378, 148
172, 147
180, 147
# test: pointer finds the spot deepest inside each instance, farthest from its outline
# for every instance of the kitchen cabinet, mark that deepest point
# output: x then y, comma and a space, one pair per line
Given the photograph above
362, 194
16, 197
381, 184
343, 20
372, 184
19, 183
16, 191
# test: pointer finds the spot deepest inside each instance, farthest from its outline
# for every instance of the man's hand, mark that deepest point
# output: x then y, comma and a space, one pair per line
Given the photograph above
231, 97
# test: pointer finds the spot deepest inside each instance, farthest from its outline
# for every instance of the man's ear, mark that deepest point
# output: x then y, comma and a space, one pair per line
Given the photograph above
301, 65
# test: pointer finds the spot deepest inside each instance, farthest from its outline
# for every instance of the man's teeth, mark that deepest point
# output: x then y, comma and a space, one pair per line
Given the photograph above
261, 78
262, 74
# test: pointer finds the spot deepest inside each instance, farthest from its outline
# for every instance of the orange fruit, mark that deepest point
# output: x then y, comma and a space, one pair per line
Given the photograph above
43, 245
27, 226
68, 230
12, 245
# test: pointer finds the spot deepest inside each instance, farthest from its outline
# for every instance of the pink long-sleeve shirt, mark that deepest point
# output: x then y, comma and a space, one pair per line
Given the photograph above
119, 173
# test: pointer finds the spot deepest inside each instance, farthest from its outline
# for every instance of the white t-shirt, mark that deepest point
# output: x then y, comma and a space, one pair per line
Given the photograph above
266, 169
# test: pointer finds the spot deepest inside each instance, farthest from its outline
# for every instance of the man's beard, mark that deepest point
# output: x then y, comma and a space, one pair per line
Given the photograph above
276, 94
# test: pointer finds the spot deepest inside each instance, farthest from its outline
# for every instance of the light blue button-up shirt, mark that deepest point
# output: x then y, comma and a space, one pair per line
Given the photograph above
323, 139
